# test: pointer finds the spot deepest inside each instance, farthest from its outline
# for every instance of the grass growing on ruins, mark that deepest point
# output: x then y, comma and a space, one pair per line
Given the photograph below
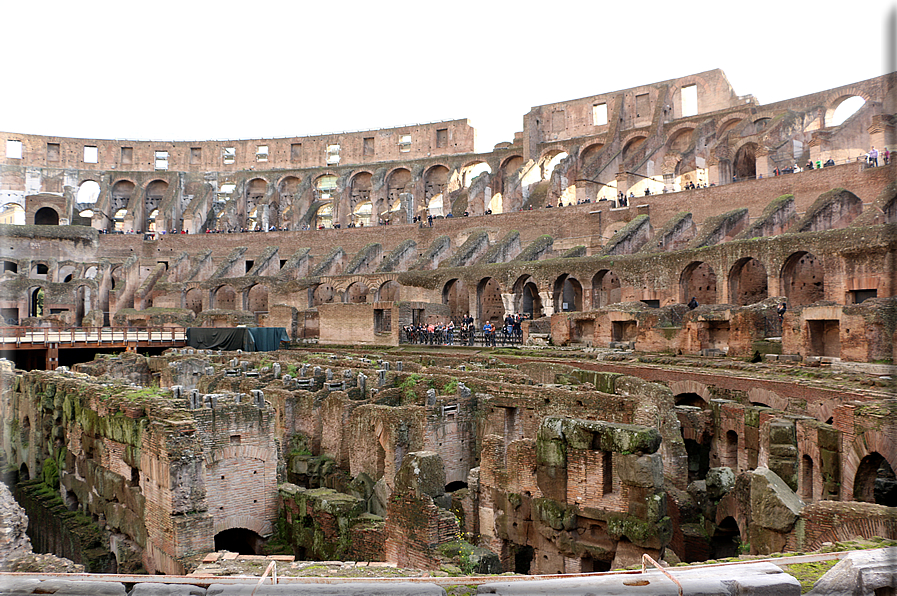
808, 573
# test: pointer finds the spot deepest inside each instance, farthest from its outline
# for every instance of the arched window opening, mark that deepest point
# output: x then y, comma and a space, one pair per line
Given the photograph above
691, 399
151, 220
744, 166
606, 289
119, 220
325, 187
323, 294
803, 279
193, 300
388, 292
357, 293
46, 216
258, 299
726, 540
88, 192
225, 298
324, 217
549, 166
847, 108
698, 281
12, 213
36, 306
747, 282
10, 266
470, 172
526, 298
456, 485
489, 303
361, 216
567, 294
454, 294
875, 481
523, 559
240, 541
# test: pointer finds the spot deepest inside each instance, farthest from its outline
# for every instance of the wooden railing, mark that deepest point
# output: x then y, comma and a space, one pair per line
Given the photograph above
92, 335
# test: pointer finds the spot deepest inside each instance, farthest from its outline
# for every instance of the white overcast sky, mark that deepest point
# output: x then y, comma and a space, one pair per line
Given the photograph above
191, 70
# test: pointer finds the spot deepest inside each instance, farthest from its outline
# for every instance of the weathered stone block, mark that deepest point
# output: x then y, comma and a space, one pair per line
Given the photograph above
719, 482
422, 473
644, 471
773, 504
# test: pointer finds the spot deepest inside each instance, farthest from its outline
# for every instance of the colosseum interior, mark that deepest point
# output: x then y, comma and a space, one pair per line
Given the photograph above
239, 351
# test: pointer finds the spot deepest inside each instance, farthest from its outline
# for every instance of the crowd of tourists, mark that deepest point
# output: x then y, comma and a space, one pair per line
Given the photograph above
466, 333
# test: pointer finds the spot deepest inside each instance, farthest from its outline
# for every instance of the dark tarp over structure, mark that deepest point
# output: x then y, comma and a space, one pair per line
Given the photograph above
267, 339
248, 339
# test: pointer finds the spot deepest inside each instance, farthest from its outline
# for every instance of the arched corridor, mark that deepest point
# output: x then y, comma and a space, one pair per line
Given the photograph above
240, 541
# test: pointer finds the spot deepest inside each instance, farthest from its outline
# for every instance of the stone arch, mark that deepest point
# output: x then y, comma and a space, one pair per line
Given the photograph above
728, 124
691, 399
46, 216
758, 395
435, 183
632, 144
490, 306
606, 289
225, 298
323, 294
35, 302
455, 295
874, 481
871, 441
288, 197
7, 265
726, 539
357, 293
832, 114
389, 291
747, 282
362, 214
242, 541
744, 165
472, 170
193, 300
155, 193
589, 152
511, 164
121, 194
549, 160
527, 299
698, 280
257, 299
322, 216
693, 387
254, 203
398, 183
88, 192
66, 273
679, 140
38, 269
567, 291
360, 186
803, 279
